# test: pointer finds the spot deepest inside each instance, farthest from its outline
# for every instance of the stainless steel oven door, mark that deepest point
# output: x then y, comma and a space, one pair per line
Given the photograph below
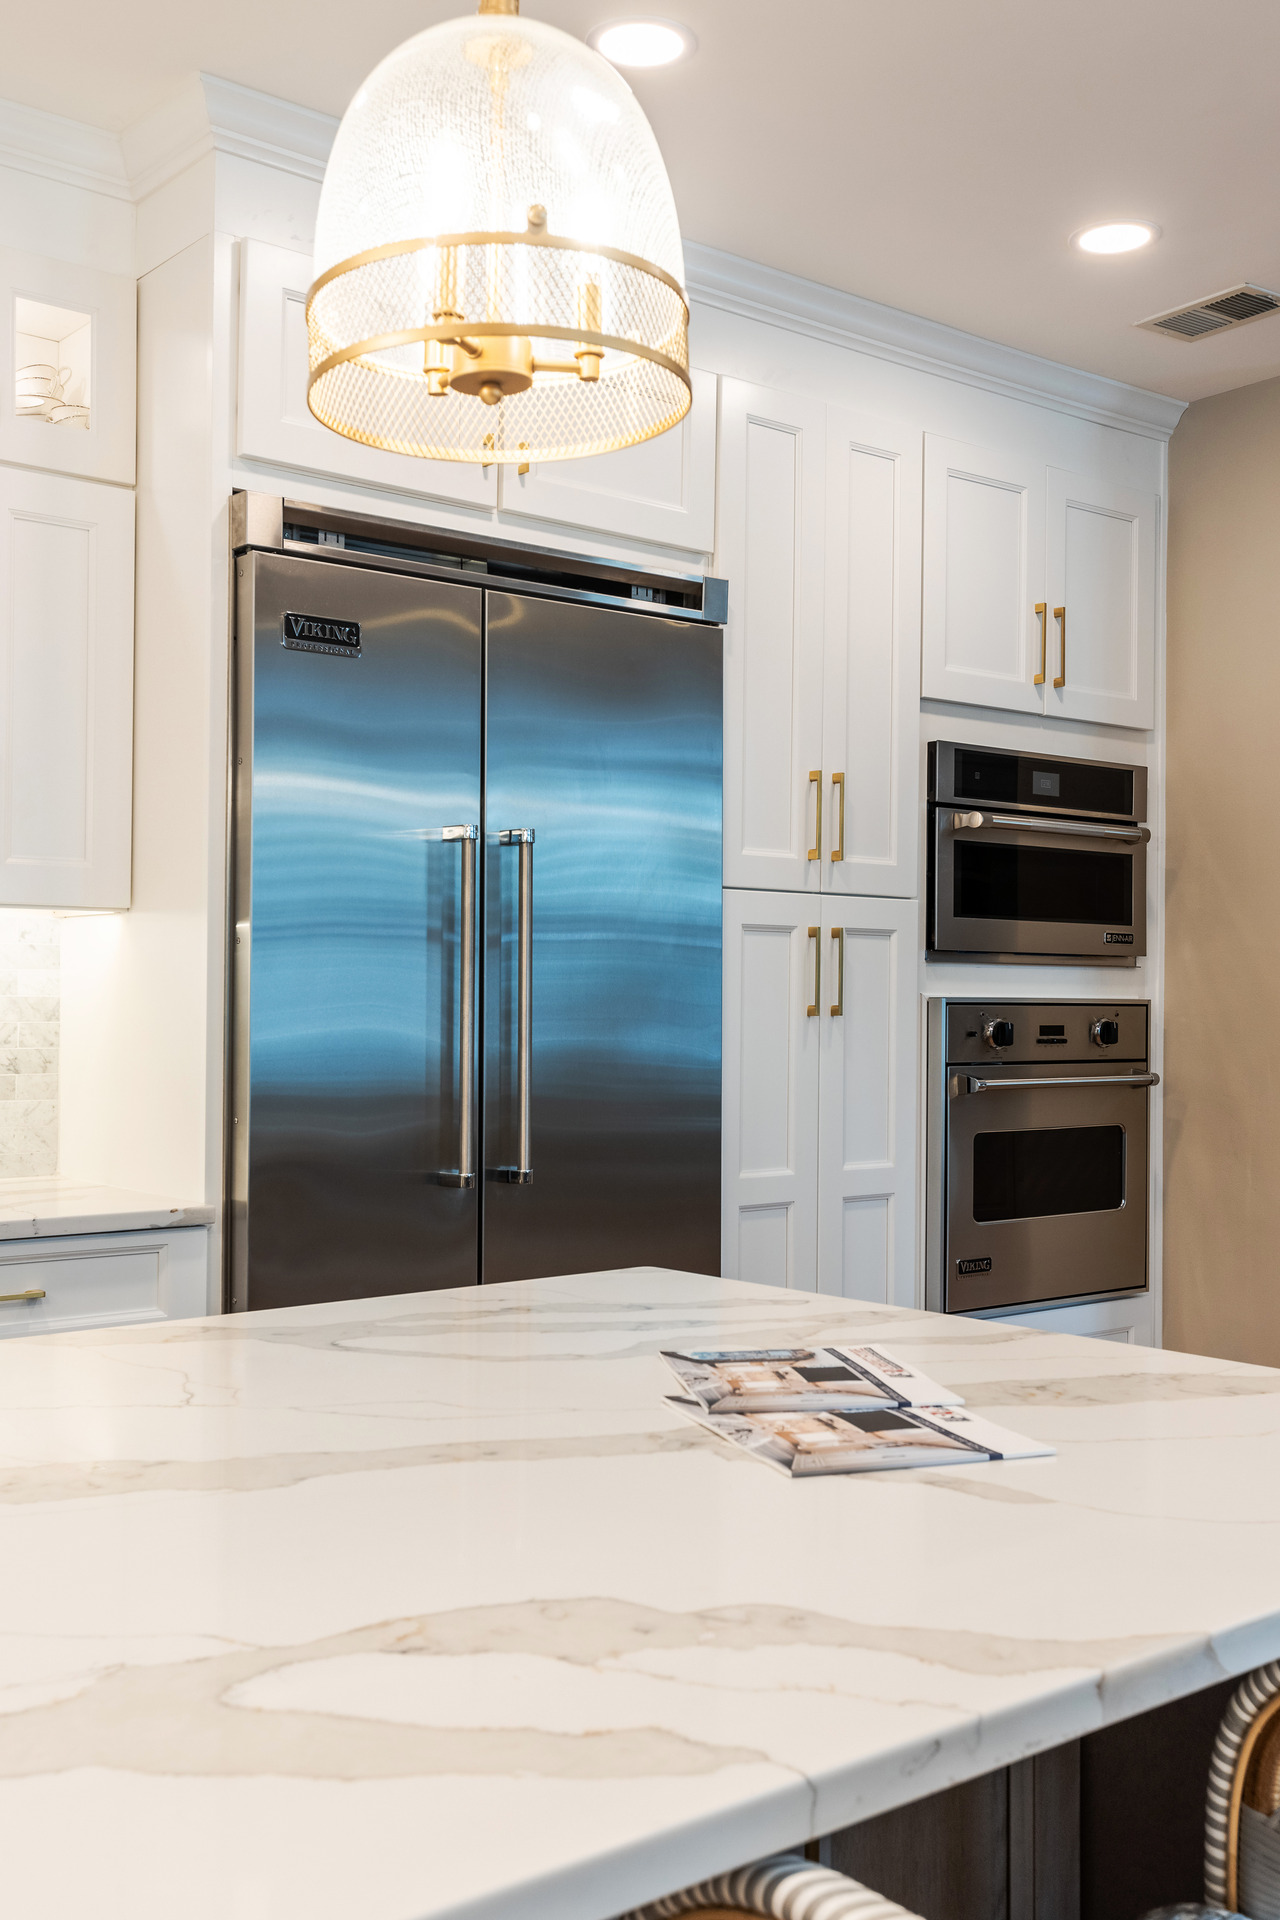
1019, 887
1046, 1185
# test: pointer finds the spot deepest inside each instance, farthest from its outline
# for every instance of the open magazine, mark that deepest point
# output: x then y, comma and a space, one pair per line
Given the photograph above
804, 1379
803, 1444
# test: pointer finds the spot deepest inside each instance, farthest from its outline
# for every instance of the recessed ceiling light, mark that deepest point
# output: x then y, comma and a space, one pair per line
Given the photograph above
1118, 236
642, 43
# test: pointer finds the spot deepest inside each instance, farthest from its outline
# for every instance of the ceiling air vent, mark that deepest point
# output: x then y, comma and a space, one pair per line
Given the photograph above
1214, 314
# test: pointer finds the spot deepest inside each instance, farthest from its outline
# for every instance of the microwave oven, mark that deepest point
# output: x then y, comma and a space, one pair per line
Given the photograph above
1035, 860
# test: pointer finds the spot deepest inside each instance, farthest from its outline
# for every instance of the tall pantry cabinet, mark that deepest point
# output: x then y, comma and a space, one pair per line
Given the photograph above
819, 530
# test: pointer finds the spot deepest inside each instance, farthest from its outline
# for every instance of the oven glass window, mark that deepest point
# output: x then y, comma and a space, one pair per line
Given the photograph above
995, 882
1043, 1170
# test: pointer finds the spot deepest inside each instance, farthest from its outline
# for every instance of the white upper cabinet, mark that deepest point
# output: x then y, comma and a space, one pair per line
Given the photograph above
1101, 601
68, 367
867, 1101
983, 575
771, 532
273, 422
871, 656
66, 690
662, 490
1028, 567
772, 1049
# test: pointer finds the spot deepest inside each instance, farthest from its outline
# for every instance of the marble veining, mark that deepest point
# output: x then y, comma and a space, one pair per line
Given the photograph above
429, 1609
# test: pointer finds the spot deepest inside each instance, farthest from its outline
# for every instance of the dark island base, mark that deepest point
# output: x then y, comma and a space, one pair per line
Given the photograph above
1104, 1828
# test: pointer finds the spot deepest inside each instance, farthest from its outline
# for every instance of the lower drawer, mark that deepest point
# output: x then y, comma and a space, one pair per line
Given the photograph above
102, 1280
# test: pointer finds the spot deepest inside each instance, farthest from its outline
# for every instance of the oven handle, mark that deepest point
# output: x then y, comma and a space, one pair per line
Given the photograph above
1022, 822
972, 1083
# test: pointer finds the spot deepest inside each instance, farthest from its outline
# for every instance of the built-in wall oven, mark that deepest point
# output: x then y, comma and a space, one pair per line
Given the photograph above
1038, 1150
1035, 860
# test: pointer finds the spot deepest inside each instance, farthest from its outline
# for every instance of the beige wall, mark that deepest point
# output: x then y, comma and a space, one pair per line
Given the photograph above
1222, 1035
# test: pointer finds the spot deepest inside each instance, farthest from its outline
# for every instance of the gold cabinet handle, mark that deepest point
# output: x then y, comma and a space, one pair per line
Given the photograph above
1041, 613
837, 780
32, 1293
815, 934
837, 934
1060, 615
815, 780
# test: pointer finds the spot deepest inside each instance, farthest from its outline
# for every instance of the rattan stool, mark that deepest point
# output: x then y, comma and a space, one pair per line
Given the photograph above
1242, 1813
786, 1887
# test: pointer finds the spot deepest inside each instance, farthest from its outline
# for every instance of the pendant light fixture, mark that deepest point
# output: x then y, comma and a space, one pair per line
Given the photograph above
499, 276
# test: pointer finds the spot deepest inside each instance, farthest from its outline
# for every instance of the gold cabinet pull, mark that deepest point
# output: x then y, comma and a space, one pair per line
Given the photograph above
815, 934
837, 934
815, 780
1041, 613
1060, 615
837, 780
32, 1293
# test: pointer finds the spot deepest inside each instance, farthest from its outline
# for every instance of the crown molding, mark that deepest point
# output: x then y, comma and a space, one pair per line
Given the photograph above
209, 115
65, 150
743, 287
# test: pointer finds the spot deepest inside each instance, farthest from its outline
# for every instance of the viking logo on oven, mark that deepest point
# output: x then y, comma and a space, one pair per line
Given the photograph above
309, 633
974, 1266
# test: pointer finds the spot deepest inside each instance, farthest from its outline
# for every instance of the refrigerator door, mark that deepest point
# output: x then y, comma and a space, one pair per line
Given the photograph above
602, 941
357, 876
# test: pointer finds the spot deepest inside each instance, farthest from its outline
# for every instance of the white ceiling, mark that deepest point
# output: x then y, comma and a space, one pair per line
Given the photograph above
935, 155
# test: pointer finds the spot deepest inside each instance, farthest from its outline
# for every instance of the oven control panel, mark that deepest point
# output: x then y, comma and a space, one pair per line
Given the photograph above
1046, 1033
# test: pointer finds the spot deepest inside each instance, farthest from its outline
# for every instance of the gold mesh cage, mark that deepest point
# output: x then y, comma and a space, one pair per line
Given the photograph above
368, 369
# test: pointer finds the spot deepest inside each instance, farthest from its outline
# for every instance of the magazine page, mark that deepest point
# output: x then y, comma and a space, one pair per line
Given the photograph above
757, 1379
804, 1445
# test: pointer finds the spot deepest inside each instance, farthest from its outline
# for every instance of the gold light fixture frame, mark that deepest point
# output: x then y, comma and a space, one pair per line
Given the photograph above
512, 366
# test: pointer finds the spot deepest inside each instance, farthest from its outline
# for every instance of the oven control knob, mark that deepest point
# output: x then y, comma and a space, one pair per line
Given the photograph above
998, 1033
1105, 1033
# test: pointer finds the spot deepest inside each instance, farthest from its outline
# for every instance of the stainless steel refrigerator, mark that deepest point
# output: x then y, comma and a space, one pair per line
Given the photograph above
475, 1025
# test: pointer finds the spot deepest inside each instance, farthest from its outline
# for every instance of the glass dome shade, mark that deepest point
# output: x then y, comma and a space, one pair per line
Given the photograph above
499, 274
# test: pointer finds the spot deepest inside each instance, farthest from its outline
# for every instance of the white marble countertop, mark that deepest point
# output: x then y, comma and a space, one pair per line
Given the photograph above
428, 1608
34, 1209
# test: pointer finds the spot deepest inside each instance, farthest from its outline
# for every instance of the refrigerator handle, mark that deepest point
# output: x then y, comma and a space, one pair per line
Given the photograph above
521, 1175
465, 1174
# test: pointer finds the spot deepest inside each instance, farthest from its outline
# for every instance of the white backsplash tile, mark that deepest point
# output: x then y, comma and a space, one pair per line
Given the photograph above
30, 996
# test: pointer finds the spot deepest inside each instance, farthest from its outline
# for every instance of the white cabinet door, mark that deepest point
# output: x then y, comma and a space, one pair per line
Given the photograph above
983, 576
867, 1123
66, 691
1102, 601
664, 489
871, 655
772, 486
771, 1049
273, 421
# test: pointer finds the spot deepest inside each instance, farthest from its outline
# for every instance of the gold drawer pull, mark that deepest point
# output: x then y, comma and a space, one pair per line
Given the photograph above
1060, 615
815, 780
815, 934
32, 1293
837, 780
837, 934
1041, 612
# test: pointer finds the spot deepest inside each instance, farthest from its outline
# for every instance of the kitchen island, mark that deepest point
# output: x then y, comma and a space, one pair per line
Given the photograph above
427, 1608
